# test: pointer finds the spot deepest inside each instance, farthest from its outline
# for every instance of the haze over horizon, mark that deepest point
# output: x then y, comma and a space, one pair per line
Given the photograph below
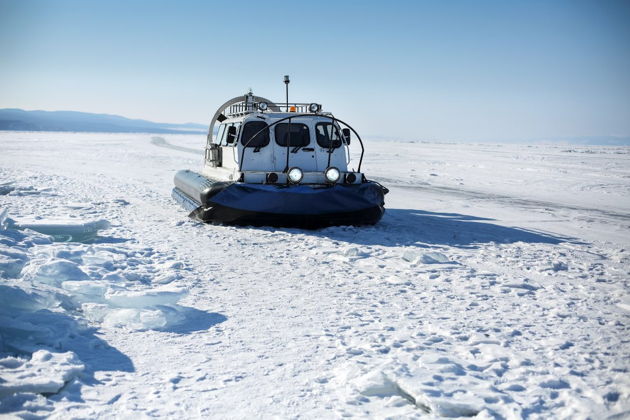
487, 70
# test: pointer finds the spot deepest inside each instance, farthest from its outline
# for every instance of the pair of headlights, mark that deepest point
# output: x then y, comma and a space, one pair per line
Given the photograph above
295, 175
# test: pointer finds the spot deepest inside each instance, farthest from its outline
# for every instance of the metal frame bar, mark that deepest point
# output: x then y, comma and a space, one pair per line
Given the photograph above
286, 168
330, 142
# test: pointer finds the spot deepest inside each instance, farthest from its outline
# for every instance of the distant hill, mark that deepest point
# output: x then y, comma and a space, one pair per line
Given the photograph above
21, 120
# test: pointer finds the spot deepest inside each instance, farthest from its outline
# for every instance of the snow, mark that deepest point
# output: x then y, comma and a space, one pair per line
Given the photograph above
496, 286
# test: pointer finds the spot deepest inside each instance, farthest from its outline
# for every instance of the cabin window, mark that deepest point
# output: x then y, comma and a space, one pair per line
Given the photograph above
220, 133
325, 133
251, 128
223, 138
300, 135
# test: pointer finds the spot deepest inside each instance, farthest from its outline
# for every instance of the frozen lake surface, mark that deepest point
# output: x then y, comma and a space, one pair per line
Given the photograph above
495, 286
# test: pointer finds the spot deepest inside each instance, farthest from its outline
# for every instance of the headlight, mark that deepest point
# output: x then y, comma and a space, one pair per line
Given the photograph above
295, 175
332, 174
314, 107
350, 178
263, 106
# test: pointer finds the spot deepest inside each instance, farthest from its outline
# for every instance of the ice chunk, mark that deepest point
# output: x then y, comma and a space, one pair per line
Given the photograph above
379, 384
166, 278
86, 291
164, 295
54, 272
95, 312
414, 257
6, 189
410, 386
14, 299
101, 256
411, 256
355, 253
434, 258
45, 373
11, 261
66, 231
376, 384
3, 216
143, 319
453, 408
560, 266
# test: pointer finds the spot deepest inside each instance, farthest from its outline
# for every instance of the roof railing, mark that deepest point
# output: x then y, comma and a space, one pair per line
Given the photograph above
247, 107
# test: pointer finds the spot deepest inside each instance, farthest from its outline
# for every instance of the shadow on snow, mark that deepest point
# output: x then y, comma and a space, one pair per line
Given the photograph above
409, 227
195, 320
26, 327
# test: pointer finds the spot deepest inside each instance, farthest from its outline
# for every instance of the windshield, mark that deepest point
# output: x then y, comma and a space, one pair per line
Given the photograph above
300, 135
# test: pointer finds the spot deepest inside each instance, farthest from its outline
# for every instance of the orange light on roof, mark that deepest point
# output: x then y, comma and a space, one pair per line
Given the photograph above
292, 109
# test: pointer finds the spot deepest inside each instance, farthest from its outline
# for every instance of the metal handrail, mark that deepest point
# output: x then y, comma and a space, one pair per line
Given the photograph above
240, 164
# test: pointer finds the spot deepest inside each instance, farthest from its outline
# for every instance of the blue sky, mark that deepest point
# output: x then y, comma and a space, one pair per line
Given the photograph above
446, 70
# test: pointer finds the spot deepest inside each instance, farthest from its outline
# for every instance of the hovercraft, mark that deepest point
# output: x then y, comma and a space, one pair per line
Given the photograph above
281, 165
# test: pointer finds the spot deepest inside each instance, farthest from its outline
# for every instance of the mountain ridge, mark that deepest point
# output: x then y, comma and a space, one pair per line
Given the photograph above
15, 119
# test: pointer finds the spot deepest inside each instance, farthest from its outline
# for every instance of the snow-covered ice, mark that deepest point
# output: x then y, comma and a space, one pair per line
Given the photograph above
496, 286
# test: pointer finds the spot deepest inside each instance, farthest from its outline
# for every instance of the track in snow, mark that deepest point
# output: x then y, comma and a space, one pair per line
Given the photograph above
161, 142
505, 200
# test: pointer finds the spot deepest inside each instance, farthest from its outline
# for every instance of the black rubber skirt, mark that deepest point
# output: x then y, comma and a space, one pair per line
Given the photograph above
303, 206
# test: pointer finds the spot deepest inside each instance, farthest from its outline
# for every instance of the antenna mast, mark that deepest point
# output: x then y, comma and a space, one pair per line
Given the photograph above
286, 84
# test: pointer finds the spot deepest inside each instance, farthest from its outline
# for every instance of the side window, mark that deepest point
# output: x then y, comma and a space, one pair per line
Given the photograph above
217, 139
223, 139
251, 128
327, 133
300, 135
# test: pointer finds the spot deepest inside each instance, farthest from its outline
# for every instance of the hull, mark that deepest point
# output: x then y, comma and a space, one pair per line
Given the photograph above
305, 206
